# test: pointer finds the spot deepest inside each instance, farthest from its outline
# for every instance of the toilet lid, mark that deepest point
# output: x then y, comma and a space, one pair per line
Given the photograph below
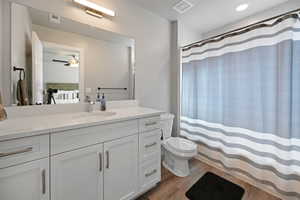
181, 145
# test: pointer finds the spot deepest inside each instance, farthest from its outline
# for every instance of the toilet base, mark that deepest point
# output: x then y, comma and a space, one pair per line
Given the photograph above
179, 166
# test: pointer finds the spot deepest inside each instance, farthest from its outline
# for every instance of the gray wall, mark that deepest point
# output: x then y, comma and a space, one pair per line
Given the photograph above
152, 36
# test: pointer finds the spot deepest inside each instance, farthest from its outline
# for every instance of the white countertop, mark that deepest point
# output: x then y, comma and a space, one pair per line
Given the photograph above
44, 124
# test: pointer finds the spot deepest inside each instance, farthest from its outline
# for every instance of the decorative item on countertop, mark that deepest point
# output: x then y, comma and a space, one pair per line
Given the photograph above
103, 103
3, 114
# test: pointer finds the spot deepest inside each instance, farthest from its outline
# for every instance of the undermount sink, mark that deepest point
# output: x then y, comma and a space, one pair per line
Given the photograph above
94, 114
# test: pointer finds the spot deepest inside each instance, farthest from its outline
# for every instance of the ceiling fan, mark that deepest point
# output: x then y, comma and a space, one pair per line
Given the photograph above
74, 62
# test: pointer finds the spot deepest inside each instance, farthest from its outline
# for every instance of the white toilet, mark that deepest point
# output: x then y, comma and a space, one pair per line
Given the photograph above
176, 151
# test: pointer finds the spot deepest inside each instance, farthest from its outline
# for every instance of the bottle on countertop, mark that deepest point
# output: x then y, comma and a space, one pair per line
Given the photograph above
98, 99
103, 103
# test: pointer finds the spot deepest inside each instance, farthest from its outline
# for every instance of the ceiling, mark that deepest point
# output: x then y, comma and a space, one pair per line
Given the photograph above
207, 15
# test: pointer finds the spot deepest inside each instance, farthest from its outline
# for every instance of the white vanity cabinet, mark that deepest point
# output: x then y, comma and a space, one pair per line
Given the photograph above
94, 173
78, 174
121, 168
24, 169
112, 161
149, 153
97, 162
29, 181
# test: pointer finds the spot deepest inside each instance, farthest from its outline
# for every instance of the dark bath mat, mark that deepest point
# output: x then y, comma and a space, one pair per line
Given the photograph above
213, 187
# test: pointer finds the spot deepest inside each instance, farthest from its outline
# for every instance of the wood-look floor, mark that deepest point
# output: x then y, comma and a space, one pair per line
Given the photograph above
174, 188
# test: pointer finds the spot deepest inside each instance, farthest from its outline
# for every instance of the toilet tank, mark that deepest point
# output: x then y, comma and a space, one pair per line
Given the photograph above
166, 121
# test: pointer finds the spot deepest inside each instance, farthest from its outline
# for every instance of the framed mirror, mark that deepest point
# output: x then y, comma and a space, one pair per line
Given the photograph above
55, 60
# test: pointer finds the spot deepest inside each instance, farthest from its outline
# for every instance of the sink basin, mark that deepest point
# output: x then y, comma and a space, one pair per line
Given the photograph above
94, 114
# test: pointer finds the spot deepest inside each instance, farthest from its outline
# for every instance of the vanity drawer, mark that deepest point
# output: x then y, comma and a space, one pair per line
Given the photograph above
22, 150
149, 144
148, 124
150, 173
78, 138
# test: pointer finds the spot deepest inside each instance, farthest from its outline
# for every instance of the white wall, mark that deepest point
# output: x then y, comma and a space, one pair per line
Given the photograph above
175, 72
20, 43
106, 64
5, 52
151, 34
280, 9
187, 35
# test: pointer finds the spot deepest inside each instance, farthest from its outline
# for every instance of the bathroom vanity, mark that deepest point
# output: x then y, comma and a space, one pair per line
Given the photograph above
110, 155
62, 152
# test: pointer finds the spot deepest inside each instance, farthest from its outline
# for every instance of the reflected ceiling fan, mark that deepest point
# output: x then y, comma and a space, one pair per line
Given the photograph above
74, 62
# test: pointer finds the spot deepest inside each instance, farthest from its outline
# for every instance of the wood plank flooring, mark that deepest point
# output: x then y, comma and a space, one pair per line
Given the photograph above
174, 188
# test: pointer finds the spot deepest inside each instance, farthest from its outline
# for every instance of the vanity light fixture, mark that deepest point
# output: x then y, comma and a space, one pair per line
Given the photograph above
93, 13
242, 7
94, 9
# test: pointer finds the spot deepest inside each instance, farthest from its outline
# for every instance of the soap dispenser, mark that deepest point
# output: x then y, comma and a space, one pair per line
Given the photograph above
103, 103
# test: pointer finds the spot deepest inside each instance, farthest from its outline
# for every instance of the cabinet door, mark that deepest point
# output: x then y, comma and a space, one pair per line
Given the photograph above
78, 175
29, 181
121, 168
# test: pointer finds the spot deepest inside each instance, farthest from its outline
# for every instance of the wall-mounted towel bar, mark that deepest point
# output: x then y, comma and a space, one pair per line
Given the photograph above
99, 88
18, 69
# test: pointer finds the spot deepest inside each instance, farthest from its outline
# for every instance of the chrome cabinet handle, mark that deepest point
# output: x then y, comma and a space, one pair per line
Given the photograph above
107, 159
16, 152
150, 145
151, 173
44, 181
100, 162
150, 123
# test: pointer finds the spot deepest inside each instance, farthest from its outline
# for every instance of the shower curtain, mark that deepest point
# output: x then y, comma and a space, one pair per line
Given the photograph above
241, 103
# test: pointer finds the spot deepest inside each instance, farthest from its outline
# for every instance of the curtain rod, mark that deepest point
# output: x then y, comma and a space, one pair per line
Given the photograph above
241, 28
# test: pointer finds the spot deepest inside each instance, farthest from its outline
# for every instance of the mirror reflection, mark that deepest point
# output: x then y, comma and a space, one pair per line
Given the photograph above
52, 55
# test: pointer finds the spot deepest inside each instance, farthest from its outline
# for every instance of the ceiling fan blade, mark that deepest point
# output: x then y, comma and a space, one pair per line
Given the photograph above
60, 61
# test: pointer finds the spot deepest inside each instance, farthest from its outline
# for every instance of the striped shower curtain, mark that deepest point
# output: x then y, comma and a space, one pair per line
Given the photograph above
241, 103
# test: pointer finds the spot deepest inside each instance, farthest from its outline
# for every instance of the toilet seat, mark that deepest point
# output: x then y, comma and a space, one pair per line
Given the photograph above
181, 145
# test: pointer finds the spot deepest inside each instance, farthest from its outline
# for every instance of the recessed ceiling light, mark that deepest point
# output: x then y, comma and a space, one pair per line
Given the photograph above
242, 7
